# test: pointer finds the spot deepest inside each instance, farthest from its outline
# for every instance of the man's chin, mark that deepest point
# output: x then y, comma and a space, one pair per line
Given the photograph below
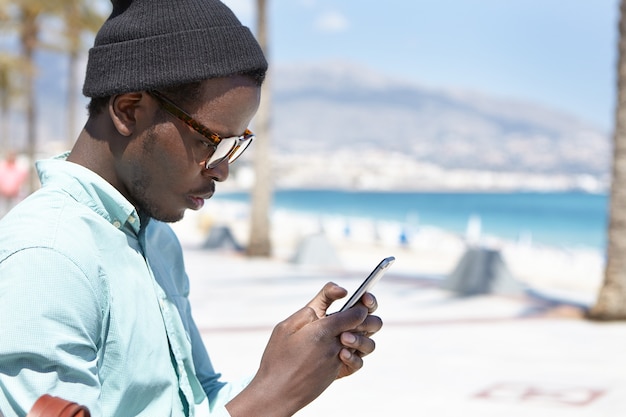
172, 219
166, 217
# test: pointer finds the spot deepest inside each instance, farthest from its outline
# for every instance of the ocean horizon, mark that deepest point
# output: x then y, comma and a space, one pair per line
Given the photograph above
563, 219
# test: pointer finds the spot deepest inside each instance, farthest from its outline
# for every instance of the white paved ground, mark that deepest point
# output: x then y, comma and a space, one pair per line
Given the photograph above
437, 355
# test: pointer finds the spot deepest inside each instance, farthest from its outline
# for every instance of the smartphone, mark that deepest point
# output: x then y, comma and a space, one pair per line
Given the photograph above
369, 282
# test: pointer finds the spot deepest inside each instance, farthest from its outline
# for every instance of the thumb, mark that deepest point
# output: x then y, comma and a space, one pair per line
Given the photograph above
330, 293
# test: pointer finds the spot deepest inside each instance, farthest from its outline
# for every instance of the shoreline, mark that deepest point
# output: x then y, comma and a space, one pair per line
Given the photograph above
231, 188
572, 273
493, 220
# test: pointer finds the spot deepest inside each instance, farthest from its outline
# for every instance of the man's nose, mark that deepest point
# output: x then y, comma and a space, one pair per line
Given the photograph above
220, 172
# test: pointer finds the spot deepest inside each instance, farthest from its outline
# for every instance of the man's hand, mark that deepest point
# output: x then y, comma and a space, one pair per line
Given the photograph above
357, 342
306, 353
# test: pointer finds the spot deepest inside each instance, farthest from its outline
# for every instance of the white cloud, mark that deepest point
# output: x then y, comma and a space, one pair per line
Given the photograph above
332, 22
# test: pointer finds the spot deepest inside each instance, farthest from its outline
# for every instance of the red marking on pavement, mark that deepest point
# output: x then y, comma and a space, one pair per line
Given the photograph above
574, 396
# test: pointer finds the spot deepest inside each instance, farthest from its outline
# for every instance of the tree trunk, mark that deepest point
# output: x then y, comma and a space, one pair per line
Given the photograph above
259, 239
5, 144
72, 97
611, 303
73, 32
29, 36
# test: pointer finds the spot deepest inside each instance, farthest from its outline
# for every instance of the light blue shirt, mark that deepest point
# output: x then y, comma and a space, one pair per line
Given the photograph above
94, 307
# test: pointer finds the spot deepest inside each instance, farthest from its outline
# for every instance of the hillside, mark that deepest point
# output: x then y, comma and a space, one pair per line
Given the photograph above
325, 109
342, 125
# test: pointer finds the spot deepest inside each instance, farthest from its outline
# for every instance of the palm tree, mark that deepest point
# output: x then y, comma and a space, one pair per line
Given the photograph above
28, 14
6, 84
78, 16
5, 94
259, 241
23, 17
10, 67
611, 303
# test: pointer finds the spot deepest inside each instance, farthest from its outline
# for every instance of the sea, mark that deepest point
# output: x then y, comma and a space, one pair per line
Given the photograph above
568, 219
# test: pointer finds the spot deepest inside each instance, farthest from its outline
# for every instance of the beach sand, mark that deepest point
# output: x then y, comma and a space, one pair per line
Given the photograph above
575, 273
438, 353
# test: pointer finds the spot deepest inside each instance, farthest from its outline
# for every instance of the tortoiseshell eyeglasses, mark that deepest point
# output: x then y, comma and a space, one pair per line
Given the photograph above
220, 149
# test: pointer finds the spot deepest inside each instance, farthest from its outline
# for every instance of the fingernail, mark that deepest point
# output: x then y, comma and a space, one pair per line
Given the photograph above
348, 338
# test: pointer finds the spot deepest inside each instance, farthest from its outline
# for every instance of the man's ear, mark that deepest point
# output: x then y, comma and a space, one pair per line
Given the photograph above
122, 110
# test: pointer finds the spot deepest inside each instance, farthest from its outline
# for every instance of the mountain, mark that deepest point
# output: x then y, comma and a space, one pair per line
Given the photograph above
340, 108
342, 125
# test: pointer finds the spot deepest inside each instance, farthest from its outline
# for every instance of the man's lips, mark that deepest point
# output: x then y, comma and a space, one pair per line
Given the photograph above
204, 194
197, 198
196, 202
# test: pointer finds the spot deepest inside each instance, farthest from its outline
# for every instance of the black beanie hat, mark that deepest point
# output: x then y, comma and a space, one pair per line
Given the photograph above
150, 44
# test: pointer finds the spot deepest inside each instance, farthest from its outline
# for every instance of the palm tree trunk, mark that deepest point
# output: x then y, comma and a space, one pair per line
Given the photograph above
259, 241
5, 144
611, 303
29, 36
72, 97
73, 31
4, 109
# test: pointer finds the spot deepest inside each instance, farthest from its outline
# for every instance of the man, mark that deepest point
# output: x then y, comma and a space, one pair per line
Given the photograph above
93, 291
12, 177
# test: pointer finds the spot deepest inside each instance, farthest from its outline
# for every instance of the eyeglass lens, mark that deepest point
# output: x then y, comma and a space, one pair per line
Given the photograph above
228, 149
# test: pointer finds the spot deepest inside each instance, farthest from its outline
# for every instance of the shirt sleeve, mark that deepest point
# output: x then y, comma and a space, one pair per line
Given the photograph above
50, 321
218, 393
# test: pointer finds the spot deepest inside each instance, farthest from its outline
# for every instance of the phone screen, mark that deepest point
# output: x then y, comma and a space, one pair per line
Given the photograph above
369, 282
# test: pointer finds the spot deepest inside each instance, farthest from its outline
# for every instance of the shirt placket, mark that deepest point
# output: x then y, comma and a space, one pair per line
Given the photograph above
177, 350
174, 331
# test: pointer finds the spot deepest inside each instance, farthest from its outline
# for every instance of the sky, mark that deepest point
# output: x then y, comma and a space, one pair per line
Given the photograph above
558, 53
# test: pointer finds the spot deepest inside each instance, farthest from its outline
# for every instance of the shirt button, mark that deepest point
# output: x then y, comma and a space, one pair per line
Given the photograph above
117, 224
131, 219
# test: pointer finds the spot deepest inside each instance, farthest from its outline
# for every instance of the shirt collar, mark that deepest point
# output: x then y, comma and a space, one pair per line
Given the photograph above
90, 189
